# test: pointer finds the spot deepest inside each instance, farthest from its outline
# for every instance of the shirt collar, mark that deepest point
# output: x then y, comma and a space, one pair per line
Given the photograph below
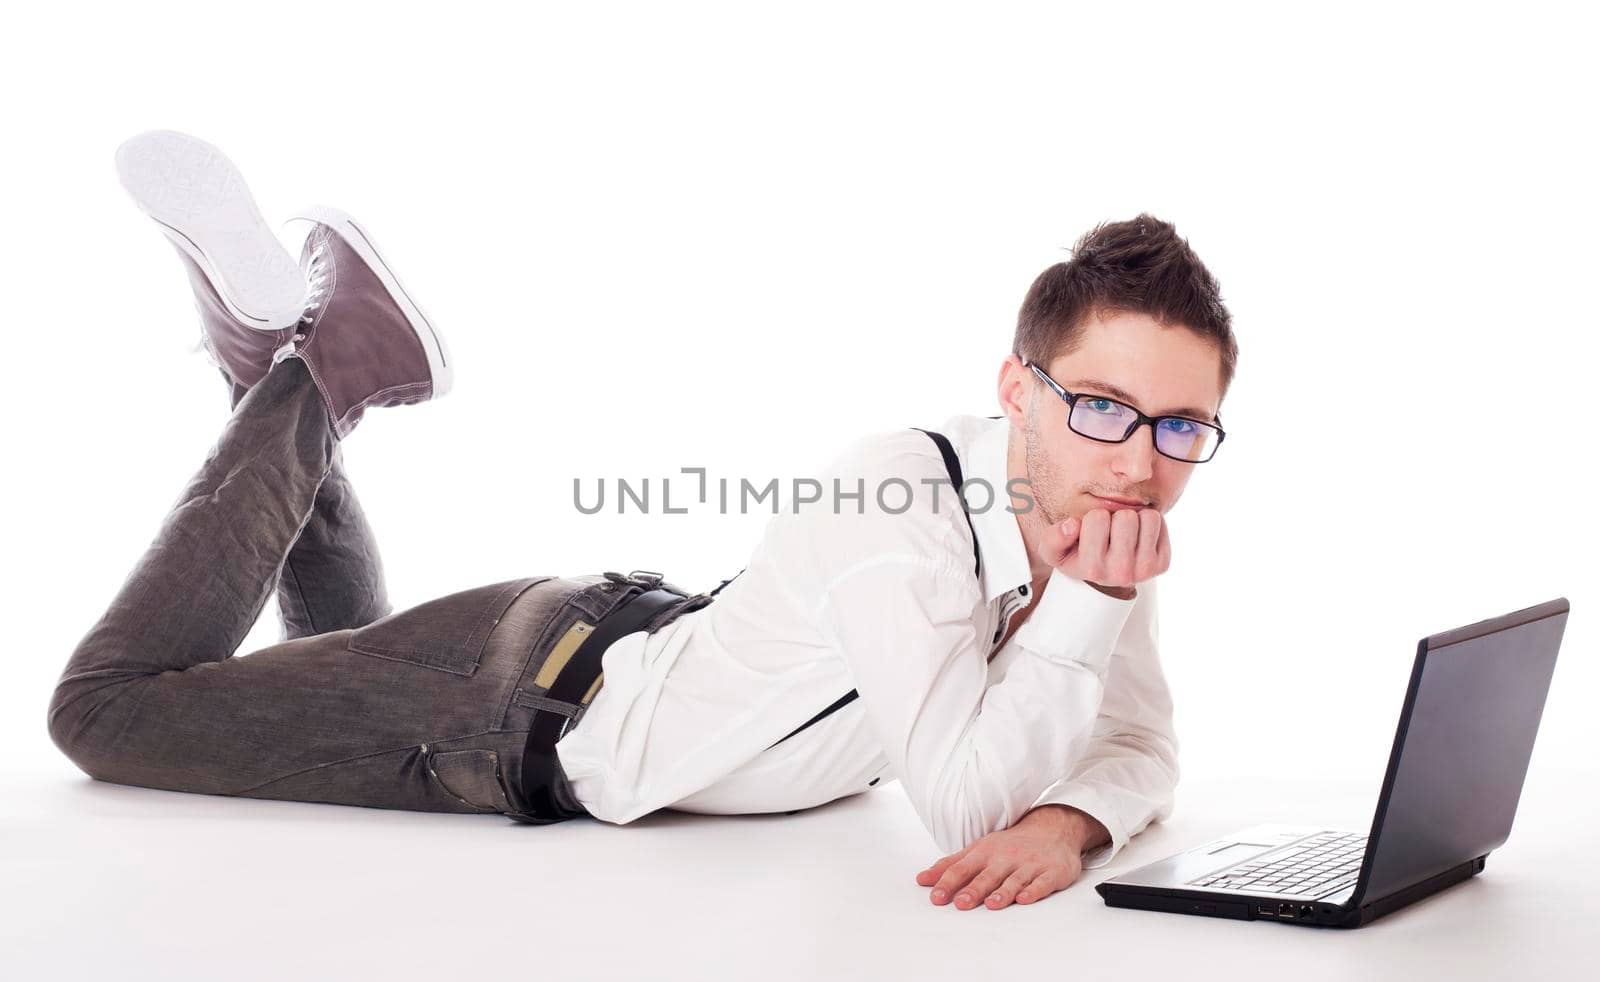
980, 444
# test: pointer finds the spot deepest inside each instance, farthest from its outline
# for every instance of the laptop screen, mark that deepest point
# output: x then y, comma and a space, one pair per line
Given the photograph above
1461, 752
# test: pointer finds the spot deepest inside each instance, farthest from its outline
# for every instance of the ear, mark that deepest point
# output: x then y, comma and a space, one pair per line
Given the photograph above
1013, 390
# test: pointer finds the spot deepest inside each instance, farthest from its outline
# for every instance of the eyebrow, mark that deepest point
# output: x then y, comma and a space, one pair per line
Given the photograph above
1127, 397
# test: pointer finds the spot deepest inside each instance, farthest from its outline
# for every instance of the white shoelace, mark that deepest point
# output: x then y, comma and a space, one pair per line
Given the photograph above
286, 349
317, 276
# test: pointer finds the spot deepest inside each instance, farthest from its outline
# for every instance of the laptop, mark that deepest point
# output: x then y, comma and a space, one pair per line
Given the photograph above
1455, 776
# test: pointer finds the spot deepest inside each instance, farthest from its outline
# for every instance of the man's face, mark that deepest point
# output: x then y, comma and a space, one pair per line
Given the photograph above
1162, 370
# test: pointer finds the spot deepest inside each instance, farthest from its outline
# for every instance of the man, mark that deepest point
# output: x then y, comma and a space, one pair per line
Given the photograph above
1000, 658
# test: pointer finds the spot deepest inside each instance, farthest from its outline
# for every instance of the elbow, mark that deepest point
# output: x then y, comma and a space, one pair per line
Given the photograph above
1162, 748
1171, 756
1167, 754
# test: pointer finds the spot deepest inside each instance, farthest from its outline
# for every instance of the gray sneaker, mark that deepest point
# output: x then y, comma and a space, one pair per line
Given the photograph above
247, 288
363, 337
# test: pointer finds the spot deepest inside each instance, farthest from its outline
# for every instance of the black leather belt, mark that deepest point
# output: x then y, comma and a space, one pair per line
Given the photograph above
539, 756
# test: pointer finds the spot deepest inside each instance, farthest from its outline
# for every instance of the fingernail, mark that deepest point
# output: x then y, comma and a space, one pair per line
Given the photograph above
995, 897
965, 898
938, 894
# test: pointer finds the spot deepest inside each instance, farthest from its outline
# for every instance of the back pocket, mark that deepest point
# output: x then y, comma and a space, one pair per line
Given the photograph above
447, 634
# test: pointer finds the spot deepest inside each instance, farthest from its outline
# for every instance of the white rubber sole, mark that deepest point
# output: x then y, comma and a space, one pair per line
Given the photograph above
204, 206
439, 363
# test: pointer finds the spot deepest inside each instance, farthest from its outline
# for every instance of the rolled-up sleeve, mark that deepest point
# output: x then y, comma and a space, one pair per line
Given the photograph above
973, 757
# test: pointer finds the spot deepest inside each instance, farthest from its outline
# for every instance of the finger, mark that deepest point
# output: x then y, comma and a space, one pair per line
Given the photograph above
985, 883
956, 878
1121, 548
1059, 540
1147, 562
1040, 887
1091, 554
1007, 891
932, 873
1164, 547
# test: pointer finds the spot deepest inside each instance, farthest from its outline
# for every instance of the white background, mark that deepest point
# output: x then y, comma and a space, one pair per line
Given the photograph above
740, 236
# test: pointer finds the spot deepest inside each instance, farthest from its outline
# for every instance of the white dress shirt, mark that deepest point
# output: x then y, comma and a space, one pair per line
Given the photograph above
1073, 709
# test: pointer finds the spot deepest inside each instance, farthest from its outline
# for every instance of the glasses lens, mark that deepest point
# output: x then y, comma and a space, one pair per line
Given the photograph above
1101, 419
1107, 419
1185, 439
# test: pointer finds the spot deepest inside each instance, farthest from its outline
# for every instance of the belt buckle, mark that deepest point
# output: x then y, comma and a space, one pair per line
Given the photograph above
643, 578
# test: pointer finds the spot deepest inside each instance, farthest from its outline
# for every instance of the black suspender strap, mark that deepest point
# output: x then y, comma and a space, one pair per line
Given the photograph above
842, 701
952, 465
723, 584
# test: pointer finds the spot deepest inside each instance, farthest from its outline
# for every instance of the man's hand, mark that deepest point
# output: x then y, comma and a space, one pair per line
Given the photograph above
1111, 551
1026, 862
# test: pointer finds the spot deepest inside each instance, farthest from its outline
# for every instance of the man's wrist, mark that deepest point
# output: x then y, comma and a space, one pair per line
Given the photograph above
1077, 826
1118, 592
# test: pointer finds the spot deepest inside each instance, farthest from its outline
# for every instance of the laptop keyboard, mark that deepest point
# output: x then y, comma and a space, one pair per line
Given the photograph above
1315, 867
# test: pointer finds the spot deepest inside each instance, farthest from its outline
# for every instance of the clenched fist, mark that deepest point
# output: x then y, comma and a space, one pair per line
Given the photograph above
1111, 551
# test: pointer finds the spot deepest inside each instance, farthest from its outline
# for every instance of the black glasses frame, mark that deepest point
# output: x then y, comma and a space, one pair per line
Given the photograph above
1071, 399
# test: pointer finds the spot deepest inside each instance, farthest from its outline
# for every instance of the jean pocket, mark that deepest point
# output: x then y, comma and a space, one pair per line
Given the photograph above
447, 634
473, 777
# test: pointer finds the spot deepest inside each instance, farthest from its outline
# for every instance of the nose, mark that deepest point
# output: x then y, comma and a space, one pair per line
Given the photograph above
1133, 460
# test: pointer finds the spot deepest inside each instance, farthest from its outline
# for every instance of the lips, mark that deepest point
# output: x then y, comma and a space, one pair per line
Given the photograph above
1118, 504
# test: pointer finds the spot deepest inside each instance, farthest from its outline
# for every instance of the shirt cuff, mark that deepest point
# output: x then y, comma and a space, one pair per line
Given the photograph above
1075, 622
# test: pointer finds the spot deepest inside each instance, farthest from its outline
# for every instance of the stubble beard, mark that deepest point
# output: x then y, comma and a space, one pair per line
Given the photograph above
1040, 484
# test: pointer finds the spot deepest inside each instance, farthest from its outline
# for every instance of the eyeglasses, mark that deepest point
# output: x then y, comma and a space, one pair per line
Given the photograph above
1109, 421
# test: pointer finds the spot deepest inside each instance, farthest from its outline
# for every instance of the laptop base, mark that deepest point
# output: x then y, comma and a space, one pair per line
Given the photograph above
1310, 914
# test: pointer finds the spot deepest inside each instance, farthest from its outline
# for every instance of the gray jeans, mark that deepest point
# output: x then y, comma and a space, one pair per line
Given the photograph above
426, 709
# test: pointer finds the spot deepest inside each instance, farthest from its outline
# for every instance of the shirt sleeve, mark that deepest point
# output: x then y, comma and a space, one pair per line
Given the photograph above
1128, 775
973, 757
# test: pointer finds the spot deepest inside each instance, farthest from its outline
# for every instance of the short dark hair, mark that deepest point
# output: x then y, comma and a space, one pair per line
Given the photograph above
1139, 266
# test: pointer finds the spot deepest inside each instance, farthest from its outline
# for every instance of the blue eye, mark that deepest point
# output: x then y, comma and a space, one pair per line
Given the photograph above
1103, 405
1183, 426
